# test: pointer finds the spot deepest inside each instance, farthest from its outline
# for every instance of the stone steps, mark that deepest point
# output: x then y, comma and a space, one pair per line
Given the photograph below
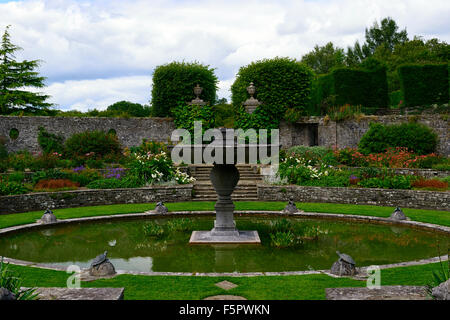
246, 189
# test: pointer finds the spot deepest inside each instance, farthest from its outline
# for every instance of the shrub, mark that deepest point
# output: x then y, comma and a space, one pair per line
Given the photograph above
432, 184
173, 85
21, 160
92, 144
185, 115
49, 175
110, 183
54, 184
414, 136
149, 146
424, 84
50, 142
344, 112
83, 176
315, 154
283, 87
350, 157
388, 182
11, 187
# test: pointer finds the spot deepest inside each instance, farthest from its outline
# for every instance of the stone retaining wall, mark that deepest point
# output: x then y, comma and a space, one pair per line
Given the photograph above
81, 198
130, 132
347, 133
380, 197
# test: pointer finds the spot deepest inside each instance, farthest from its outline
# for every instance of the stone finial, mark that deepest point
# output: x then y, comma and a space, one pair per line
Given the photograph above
101, 266
161, 208
197, 101
251, 103
398, 214
290, 207
345, 266
48, 217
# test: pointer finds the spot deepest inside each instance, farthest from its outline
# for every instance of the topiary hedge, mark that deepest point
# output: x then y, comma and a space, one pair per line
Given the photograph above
283, 87
173, 84
366, 86
424, 84
414, 136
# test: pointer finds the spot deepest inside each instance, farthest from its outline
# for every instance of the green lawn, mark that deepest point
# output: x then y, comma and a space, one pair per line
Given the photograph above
305, 287
273, 287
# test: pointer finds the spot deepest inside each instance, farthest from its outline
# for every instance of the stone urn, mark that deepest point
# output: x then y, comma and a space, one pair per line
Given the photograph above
197, 101
251, 103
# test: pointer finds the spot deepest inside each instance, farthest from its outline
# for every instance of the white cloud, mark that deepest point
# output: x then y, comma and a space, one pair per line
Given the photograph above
92, 43
99, 93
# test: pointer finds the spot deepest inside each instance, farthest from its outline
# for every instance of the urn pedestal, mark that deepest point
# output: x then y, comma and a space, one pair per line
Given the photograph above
224, 178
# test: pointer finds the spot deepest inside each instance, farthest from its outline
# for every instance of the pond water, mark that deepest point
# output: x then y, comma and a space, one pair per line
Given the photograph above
130, 248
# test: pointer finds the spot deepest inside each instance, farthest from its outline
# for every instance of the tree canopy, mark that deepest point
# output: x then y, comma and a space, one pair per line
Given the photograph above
323, 59
16, 77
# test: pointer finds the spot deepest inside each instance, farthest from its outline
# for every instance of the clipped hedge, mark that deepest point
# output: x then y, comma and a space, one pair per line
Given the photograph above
415, 136
424, 84
365, 87
283, 87
173, 84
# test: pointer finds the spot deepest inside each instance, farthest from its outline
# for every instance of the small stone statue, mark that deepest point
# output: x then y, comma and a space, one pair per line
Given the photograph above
290, 207
6, 295
161, 208
398, 214
345, 266
48, 217
101, 266
442, 292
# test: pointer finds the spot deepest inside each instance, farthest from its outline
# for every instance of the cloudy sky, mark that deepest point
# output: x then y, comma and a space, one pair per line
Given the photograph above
97, 52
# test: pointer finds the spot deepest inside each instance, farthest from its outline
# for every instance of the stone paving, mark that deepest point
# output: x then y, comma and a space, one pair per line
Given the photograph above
226, 285
384, 293
80, 294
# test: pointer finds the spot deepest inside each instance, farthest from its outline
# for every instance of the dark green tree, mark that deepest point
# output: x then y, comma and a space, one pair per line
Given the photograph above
16, 77
323, 59
386, 34
130, 108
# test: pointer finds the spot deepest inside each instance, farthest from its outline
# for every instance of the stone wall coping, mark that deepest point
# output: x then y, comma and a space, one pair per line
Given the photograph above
341, 188
180, 186
359, 218
65, 117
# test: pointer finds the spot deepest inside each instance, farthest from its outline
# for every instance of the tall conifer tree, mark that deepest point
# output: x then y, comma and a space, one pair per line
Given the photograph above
16, 77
